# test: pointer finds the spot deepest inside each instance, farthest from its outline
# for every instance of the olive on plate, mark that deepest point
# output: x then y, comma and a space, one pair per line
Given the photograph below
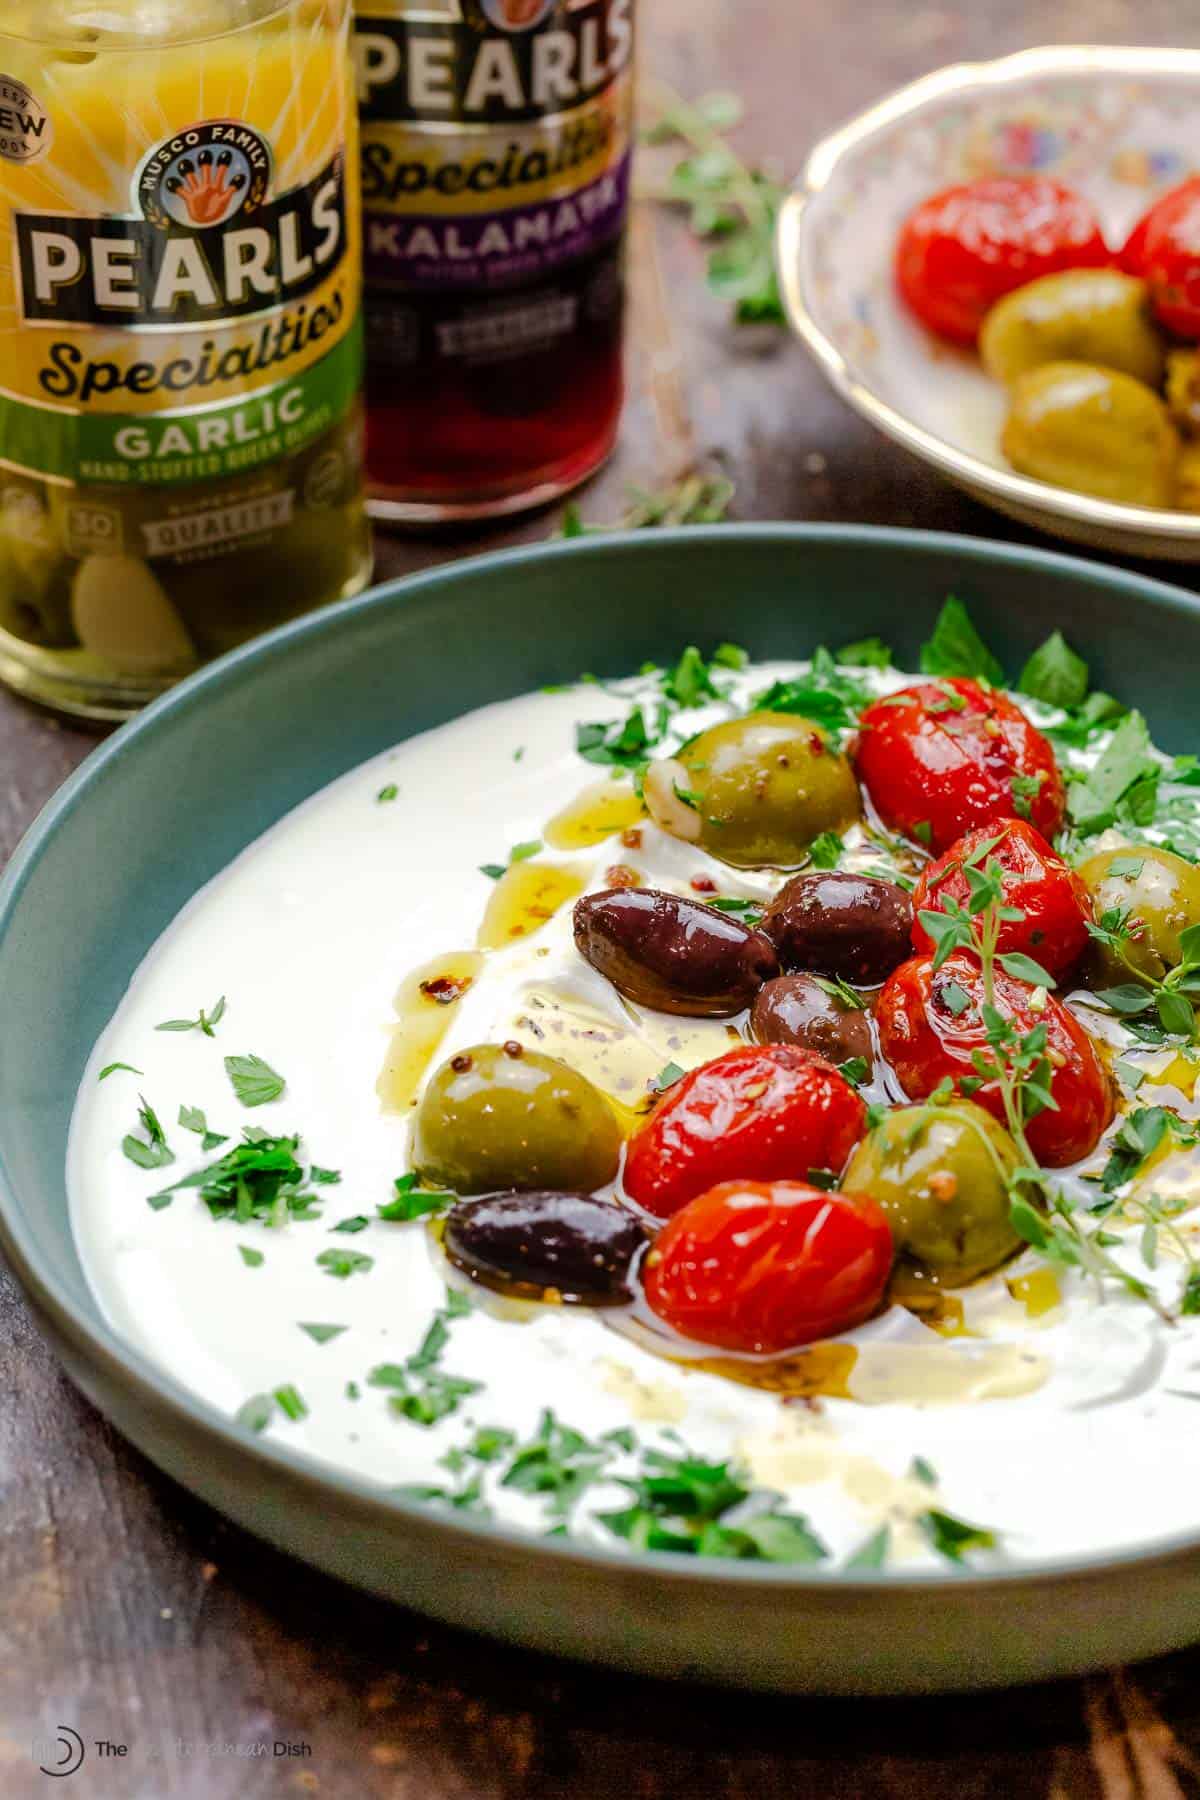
853, 926
1079, 315
797, 1009
579, 1246
940, 1173
1158, 895
1094, 430
671, 953
754, 791
500, 1116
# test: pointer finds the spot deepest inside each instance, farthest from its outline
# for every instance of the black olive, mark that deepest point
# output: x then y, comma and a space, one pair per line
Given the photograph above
854, 926
580, 1246
671, 953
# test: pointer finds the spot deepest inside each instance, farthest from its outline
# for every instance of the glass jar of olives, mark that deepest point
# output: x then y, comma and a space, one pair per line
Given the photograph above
180, 336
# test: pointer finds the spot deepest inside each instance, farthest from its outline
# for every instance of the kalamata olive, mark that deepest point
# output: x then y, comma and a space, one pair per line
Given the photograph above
580, 1246
671, 953
796, 1009
854, 926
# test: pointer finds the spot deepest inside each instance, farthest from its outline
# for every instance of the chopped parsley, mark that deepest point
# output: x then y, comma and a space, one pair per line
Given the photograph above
357, 1222
419, 1389
260, 1178
322, 1334
956, 648
152, 1151
623, 745
390, 792
111, 1069
1055, 674
206, 1022
291, 1401
865, 653
1122, 785
413, 1202
253, 1259
192, 1119
698, 1508
343, 1263
826, 850
255, 1082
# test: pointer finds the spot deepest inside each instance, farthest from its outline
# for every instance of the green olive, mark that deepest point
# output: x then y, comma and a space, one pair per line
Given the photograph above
1082, 315
755, 791
1158, 892
502, 1117
1183, 390
941, 1175
1093, 430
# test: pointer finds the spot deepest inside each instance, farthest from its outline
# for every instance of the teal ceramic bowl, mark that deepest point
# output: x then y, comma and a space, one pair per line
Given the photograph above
169, 800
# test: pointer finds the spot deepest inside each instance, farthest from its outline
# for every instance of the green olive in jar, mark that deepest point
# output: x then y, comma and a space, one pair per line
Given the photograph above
940, 1173
1158, 895
1081, 315
755, 791
498, 1116
1094, 430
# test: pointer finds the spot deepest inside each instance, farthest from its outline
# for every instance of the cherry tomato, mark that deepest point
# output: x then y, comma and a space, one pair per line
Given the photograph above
769, 1265
1164, 249
930, 1026
1035, 879
945, 756
965, 248
762, 1112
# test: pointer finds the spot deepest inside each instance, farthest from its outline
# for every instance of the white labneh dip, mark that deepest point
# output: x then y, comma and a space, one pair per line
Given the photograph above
1061, 1422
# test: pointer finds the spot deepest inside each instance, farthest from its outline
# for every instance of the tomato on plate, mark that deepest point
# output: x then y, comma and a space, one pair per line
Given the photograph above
963, 249
945, 756
1164, 249
765, 1266
931, 1025
762, 1112
1035, 879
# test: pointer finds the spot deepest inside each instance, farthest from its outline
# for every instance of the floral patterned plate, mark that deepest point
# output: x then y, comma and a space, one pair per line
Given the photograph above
1122, 125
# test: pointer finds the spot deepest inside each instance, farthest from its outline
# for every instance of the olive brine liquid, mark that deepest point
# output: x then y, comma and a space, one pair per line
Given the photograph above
496, 141
180, 336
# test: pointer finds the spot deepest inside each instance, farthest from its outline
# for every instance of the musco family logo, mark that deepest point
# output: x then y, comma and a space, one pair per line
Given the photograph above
207, 244
203, 176
508, 15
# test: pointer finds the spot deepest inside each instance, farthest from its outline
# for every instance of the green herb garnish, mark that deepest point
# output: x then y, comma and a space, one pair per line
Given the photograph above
152, 1151
192, 1119
322, 1334
956, 648
1055, 674
111, 1069
255, 1082
413, 1202
206, 1022
343, 1263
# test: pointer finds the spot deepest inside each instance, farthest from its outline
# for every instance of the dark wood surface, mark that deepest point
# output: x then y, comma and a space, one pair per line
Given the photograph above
131, 1612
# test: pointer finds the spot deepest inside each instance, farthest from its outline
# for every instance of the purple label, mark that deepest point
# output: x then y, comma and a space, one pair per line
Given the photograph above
436, 250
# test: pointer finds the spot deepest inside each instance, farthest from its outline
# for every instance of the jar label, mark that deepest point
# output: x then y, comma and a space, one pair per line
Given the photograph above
496, 138
182, 279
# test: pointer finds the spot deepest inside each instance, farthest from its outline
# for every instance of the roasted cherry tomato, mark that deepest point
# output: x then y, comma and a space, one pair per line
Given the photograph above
931, 1026
945, 756
963, 249
1035, 879
763, 1112
769, 1265
1164, 249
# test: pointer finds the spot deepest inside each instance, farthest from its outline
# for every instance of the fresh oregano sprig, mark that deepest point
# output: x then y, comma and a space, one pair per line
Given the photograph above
731, 205
1018, 1065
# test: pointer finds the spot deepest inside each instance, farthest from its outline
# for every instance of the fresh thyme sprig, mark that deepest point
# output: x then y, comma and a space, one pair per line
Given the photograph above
1018, 1065
731, 205
1170, 997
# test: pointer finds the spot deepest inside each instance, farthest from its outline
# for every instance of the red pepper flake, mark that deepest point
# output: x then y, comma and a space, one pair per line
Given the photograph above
703, 884
816, 744
446, 989
632, 839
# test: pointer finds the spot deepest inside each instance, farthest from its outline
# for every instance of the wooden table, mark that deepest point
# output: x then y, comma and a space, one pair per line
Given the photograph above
131, 1612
